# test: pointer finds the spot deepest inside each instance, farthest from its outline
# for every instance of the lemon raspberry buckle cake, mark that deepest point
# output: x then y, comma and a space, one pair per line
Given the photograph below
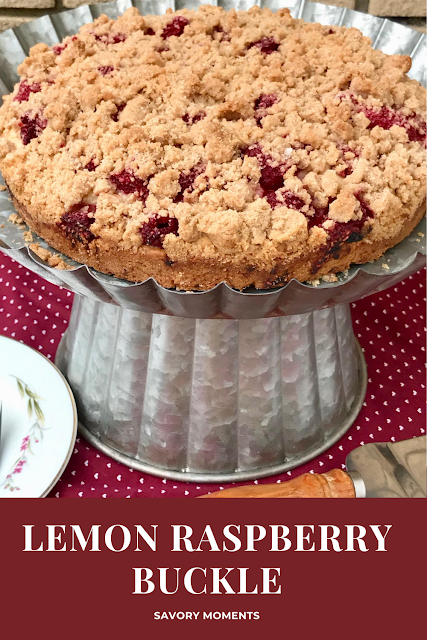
207, 146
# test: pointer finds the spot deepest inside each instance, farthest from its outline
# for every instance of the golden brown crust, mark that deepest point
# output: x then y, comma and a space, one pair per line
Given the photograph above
207, 146
195, 275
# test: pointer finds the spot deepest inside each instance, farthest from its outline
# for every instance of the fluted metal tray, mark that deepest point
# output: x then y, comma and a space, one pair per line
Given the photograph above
221, 301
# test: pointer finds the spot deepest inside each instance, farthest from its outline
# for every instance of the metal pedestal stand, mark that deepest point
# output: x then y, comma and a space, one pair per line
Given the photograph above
212, 400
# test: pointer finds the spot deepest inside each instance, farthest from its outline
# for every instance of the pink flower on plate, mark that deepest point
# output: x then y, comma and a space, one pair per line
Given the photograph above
19, 466
33, 436
25, 442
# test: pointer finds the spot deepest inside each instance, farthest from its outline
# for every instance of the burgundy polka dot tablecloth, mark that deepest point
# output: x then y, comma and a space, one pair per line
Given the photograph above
390, 327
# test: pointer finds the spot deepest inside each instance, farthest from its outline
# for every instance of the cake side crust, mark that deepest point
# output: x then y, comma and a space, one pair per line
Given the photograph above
201, 275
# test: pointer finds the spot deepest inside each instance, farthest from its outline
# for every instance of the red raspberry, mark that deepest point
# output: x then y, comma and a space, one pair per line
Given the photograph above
282, 198
382, 117
366, 209
272, 178
77, 221
59, 48
265, 45
320, 215
385, 117
105, 70
271, 174
120, 107
31, 126
186, 180
292, 200
341, 232
91, 166
156, 228
25, 89
175, 28
111, 38
264, 102
193, 119
127, 182
119, 37
349, 163
224, 35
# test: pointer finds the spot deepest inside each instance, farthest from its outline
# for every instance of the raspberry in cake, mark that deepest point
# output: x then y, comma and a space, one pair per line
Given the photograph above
77, 221
209, 146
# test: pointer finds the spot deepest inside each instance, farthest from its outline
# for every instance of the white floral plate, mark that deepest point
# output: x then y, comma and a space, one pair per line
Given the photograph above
39, 422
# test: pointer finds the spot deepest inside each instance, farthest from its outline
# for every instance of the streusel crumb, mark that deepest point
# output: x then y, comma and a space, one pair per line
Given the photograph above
52, 259
206, 145
15, 219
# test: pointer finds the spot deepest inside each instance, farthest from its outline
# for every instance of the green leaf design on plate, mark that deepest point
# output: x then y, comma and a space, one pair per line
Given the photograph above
31, 394
38, 412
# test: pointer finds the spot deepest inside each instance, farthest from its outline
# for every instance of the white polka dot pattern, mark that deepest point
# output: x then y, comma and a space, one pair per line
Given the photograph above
390, 327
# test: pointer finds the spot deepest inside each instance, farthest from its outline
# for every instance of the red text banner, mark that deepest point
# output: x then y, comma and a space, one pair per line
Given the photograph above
103, 567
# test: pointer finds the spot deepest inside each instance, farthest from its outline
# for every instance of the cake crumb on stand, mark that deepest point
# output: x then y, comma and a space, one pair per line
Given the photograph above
52, 259
331, 277
16, 219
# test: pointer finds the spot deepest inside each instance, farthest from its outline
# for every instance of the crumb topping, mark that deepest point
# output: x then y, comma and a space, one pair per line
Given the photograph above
240, 136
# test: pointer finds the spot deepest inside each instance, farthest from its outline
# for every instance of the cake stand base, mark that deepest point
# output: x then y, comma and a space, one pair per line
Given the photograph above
212, 400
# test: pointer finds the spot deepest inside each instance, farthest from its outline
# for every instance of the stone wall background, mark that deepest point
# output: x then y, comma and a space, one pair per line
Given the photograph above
409, 12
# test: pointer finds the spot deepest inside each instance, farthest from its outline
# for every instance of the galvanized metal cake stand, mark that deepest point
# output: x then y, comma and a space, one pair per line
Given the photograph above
212, 400
220, 385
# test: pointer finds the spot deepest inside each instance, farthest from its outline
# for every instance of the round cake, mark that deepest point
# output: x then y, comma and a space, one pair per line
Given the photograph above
207, 146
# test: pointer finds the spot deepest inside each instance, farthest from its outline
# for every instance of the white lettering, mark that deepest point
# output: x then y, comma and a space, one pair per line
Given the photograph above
243, 584
185, 538
139, 580
301, 537
216, 581
163, 571
230, 536
52, 538
352, 538
94, 532
275, 537
109, 538
266, 579
151, 541
251, 539
188, 580
324, 538
29, 538
209, 538
379, 536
